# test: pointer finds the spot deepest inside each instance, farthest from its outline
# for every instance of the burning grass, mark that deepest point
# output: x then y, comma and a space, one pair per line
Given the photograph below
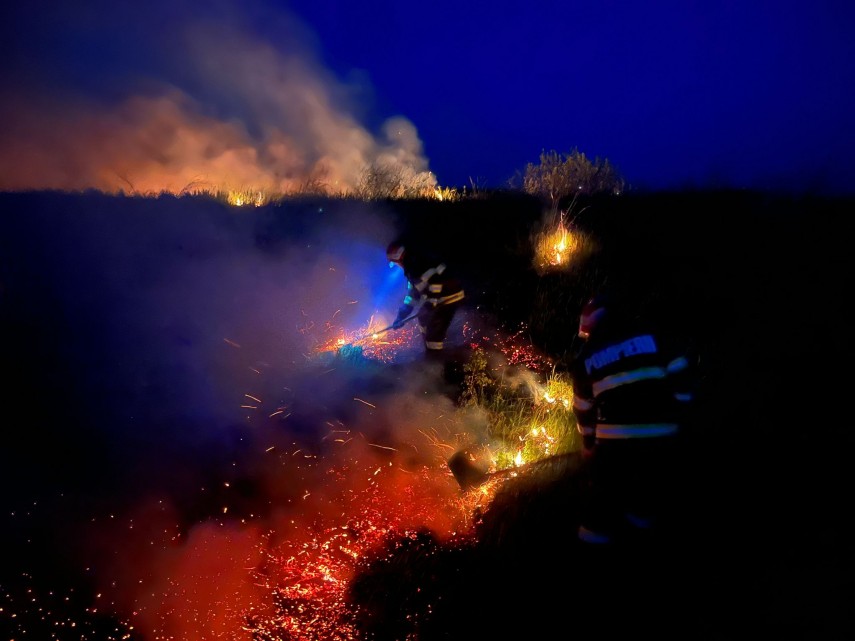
560, 246
527, 403
530, 418
240, 198
258, 197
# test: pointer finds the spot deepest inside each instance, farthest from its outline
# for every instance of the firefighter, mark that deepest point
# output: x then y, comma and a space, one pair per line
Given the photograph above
431, 287
632, 388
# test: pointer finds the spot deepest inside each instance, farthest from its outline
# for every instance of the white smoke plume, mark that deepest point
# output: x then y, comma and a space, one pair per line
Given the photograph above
215, 105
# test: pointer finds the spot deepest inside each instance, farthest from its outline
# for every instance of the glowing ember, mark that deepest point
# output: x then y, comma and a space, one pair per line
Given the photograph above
516, 348
244, 577
307, 576
284, 576
368, 342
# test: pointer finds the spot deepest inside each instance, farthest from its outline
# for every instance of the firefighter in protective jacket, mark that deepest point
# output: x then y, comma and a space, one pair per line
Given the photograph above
632, 390
433, 288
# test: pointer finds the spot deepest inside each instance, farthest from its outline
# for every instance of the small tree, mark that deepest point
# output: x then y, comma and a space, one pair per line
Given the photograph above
561, 176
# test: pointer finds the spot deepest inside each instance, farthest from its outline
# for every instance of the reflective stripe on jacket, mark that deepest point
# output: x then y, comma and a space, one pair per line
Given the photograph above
630, 384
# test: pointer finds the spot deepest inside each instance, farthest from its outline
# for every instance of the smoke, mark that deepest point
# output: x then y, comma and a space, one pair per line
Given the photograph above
221, 441
232, 100
177, 341
290, 531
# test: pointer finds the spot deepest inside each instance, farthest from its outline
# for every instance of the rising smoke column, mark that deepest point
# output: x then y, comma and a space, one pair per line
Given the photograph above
225, 99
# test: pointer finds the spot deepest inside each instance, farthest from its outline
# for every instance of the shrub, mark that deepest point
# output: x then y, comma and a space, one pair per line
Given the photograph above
559, 177
386, 180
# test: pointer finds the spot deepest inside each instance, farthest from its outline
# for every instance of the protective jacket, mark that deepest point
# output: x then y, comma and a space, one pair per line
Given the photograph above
630, 383
429, 282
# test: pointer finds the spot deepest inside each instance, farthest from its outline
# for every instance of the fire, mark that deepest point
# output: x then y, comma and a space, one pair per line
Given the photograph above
241, 198
367, 342
560, 246
307, 579
556, 247
448, 194
287, 575
525, 427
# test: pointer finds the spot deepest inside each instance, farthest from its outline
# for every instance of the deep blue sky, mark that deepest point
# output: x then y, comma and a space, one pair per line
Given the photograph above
669, 91
749, 93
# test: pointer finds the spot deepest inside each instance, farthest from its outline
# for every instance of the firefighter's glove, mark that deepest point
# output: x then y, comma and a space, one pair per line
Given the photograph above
403, 315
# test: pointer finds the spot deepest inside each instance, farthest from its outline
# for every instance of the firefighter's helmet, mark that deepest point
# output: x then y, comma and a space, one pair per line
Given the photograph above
395, 251
592, 314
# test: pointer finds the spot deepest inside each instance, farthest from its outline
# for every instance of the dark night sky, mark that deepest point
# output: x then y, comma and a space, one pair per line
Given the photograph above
671, 92
755, 94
